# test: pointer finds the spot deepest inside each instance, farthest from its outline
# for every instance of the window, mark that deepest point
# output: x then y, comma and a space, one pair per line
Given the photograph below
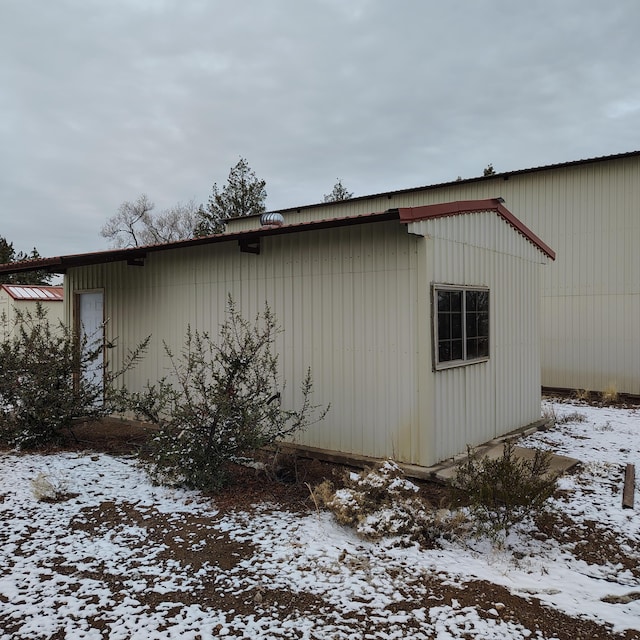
461, 325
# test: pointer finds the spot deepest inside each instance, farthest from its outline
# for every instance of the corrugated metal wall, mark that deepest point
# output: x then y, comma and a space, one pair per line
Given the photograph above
6, 314
347, 300
590, 215
475, 403
354, 304
8, 306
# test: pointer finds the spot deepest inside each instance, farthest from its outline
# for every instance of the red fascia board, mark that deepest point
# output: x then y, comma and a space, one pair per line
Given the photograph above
431, 211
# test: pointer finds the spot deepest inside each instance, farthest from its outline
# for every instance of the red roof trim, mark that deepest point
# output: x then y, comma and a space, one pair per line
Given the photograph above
428, 212
61, 263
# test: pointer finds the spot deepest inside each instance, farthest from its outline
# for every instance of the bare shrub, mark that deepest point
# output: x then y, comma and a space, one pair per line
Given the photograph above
583, 395
574, 416
551, 417
380, 502
506, 490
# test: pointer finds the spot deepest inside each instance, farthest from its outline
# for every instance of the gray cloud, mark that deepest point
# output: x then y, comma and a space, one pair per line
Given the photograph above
101, 101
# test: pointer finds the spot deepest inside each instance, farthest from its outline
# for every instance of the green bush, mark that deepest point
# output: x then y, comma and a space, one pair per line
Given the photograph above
506, 490
44, 386
221, 401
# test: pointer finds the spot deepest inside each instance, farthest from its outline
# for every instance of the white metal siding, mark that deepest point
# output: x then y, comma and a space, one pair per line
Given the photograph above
354, 304
590, 215
8, 306
477, 402
347, 300
6, 314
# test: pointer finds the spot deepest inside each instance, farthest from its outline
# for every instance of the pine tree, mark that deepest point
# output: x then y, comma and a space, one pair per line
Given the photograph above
243, 195
8, 255
339, 193
7, 252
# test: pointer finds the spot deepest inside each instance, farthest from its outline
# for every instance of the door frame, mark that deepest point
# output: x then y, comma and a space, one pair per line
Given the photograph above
77, 328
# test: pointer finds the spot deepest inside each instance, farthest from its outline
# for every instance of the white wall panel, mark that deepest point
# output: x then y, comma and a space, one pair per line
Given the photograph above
477, 402
354, 304
345, 298
590, 215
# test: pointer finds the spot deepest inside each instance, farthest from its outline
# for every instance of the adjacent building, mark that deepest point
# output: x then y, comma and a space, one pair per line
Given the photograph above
16, 298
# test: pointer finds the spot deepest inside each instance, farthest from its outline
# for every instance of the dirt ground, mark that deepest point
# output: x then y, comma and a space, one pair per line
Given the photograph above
289, 489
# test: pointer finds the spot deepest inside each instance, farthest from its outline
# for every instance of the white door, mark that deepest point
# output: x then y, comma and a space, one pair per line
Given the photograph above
90, 328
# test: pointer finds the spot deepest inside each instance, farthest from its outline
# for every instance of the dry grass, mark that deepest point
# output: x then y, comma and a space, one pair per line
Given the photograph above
583, 395
610, 394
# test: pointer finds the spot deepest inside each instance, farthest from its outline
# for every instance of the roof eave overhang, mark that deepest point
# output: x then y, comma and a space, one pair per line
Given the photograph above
136, 255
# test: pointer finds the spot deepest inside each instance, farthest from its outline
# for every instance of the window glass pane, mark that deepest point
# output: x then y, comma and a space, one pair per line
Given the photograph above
444, 303
444, 326
472, 348
472, 325
456, 325
483, 325
483, 348
482, 301
471, 300
462, 329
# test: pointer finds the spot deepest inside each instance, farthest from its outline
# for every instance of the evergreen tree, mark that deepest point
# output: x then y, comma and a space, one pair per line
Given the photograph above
489, 170
7, 252
8, 255
243, 195
339, 193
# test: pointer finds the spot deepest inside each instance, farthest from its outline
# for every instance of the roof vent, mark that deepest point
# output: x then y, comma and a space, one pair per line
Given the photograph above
271, 220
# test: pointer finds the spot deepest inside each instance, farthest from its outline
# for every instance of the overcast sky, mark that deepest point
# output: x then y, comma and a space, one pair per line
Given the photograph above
101, 101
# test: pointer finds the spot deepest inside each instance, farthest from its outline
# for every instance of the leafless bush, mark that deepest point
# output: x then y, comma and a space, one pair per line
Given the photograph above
610, 394
380, 502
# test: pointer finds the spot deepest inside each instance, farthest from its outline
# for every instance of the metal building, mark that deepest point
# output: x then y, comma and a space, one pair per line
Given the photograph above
420, 325
15, 298
590, 211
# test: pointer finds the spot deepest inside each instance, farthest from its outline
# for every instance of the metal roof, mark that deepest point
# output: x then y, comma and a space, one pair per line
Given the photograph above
429, 211
250, 240
136, 255
34, 292
505, 175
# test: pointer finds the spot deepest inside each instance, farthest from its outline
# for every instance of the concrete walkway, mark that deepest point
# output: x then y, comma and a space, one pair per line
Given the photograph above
445, 471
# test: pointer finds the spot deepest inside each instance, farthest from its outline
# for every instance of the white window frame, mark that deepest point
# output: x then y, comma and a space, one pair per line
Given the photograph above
464, 361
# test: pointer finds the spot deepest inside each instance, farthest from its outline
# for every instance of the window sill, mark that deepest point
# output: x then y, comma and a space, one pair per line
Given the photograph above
454, 364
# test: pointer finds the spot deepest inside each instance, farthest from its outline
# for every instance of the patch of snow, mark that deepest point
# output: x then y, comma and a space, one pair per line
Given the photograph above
58, 574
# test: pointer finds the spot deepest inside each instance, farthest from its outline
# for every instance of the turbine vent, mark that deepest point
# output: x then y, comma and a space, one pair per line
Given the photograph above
271, 220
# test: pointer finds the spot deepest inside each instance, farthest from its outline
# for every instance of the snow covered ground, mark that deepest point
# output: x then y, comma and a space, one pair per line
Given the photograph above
97, 565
